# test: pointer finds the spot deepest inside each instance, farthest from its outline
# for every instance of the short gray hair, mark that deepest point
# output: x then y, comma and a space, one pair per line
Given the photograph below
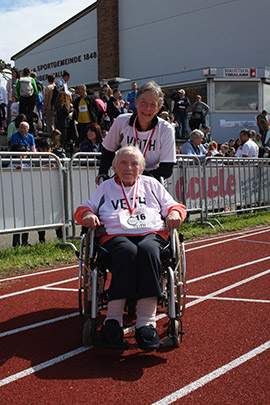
25, 124
129, 150
196, 133
152, 86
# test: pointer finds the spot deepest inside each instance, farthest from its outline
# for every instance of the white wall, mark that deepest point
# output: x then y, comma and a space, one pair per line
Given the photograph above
78, 39
159, 37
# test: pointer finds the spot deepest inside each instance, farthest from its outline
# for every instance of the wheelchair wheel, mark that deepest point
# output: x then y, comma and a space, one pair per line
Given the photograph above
84, 276
89, 332
180, 267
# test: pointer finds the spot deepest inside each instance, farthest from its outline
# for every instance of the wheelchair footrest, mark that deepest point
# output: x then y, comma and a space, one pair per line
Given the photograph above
170, 341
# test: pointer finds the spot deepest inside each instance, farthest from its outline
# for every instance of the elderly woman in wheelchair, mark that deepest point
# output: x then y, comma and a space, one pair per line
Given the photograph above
132, 215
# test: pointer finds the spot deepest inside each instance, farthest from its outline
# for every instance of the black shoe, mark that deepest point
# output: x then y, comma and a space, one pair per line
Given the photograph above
111, 335
147, 338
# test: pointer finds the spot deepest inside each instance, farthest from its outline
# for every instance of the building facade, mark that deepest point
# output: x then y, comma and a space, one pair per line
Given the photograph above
215, 48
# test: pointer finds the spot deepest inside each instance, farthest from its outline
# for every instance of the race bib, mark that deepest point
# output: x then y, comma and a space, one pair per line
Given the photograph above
83, 108
141, 218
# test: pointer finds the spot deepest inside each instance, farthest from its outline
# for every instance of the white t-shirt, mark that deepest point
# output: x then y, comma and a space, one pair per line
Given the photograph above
161, 148
14, 110
250, 149
108, 201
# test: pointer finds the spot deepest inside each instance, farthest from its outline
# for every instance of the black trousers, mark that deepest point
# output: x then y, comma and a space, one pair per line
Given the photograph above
136, 266
27, 105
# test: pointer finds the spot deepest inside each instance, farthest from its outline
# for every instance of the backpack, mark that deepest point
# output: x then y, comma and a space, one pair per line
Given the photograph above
54, 96
26, 87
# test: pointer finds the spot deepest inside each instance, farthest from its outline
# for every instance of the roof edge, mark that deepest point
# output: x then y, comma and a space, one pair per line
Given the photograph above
55, 31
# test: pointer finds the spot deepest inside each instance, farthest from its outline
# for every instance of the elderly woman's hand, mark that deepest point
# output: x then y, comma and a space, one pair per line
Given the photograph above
90, 220
173, 220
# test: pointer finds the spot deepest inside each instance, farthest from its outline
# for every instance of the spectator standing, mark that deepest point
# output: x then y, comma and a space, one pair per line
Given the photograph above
105, 91
113, 105
26, 92
249, 147
63, 115
199, 112
194, 146
13, 109
263, 125
180, 111
3, 105
33, 124
131, 97
86, 111
23, 137
11, 89
48, 110
106, 122
62, 83
38, 82
39, 106
258, 140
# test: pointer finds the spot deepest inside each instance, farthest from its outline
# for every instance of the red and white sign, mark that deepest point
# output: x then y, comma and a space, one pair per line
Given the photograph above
240, 72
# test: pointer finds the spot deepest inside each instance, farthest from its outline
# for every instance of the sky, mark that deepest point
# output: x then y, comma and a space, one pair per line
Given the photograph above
23, 22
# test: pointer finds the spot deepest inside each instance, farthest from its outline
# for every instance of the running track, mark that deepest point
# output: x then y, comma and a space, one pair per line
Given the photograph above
224, 357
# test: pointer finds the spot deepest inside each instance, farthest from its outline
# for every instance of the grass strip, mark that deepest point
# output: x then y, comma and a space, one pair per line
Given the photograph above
21, 260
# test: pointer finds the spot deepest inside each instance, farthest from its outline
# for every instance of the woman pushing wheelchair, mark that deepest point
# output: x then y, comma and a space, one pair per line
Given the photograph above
132, 215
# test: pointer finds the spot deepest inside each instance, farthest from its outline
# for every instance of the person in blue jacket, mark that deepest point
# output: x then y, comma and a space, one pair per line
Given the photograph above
194, 145
23, 137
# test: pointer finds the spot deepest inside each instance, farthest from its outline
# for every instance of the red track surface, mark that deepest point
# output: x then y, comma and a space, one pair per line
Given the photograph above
224, 357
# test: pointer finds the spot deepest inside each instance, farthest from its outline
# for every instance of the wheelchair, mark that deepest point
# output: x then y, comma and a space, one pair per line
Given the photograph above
94, 265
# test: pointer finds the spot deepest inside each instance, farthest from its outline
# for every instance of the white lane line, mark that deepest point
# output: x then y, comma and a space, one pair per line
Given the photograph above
182, 392
226, 235
41, 287
225, 241
231, 299
38, 324
252, 241
230, 287
60, 289
51, 362
38, 273
41, 366
217, 273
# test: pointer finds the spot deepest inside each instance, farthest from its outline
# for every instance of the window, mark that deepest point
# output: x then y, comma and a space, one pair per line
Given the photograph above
236, 96
266, 97
191, 91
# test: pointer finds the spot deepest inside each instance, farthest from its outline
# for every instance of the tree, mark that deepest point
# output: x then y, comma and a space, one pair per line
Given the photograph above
5, 69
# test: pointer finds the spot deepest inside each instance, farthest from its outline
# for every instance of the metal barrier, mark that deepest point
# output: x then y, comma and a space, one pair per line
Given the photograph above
235, 185
31, 188
185, 184
45, 191
83, 169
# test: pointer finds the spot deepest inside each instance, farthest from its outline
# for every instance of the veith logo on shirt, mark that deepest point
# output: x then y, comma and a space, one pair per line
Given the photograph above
142, 143
123, 204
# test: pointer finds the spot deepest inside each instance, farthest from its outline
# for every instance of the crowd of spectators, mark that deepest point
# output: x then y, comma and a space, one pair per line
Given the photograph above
73, 112
59, 119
